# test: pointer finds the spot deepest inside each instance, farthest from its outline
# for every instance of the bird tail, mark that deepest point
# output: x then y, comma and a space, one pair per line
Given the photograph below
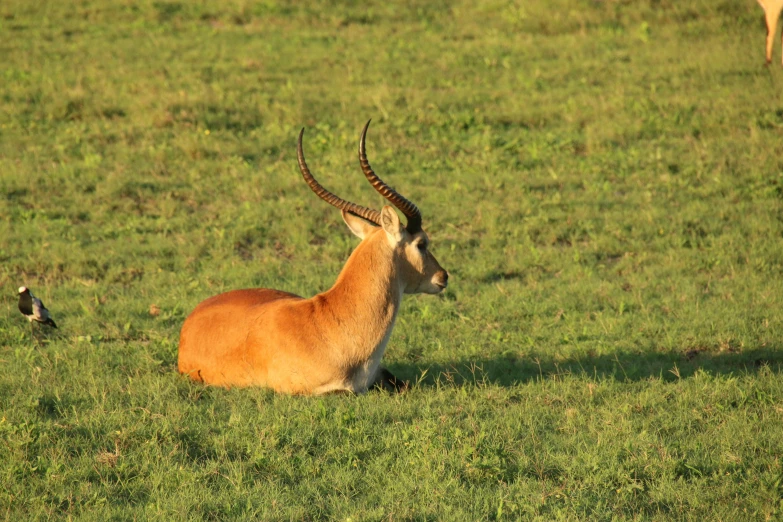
50, 322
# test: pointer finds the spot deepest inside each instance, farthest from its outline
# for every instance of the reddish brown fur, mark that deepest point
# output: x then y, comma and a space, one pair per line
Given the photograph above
211, 335
333, 341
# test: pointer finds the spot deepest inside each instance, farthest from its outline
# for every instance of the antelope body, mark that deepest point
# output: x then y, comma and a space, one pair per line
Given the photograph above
772, 10
335, 340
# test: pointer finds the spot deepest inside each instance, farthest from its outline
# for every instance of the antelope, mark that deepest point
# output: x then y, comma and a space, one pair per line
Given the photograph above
772, 9
334, 341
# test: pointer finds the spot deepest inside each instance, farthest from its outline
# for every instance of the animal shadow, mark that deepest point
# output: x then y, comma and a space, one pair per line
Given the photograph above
625, 366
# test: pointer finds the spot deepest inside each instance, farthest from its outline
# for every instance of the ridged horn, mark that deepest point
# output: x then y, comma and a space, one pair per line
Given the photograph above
363, 212
406, 206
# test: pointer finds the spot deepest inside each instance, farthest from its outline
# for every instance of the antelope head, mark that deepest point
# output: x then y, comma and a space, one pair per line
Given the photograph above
417, 268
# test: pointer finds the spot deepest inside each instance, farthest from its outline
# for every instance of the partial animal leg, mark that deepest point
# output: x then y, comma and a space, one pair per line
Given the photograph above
781, 48
771, 16
387, 381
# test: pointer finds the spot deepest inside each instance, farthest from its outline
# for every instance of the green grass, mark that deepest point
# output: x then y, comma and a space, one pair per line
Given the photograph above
603, 180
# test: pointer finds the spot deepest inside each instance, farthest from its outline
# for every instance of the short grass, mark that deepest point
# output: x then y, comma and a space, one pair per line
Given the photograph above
603, 180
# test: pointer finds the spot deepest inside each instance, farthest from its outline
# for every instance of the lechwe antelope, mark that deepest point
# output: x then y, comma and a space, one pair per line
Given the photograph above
335, 340
772, 9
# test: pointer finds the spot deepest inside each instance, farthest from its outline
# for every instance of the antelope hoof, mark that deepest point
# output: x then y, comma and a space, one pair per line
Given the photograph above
387, 381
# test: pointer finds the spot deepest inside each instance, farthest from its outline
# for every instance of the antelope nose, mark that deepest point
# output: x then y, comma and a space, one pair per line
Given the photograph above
445, 278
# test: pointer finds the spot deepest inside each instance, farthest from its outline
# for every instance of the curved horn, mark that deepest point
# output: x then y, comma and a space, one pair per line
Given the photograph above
367, 213
406, 206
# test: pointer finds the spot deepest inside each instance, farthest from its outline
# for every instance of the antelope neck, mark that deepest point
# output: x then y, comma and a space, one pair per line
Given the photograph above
367, 293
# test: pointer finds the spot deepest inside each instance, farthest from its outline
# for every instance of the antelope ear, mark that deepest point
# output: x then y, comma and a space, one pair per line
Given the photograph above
359, 226
390, 222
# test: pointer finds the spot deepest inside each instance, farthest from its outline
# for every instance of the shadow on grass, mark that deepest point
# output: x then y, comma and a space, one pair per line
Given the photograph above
631, 367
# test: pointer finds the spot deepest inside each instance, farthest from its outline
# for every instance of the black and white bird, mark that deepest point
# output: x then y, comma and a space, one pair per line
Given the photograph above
32, 308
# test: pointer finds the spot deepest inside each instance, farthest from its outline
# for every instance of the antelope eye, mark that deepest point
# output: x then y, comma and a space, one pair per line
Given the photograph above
421, 246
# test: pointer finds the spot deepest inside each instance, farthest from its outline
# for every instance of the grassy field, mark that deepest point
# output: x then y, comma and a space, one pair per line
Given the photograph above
602, 179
